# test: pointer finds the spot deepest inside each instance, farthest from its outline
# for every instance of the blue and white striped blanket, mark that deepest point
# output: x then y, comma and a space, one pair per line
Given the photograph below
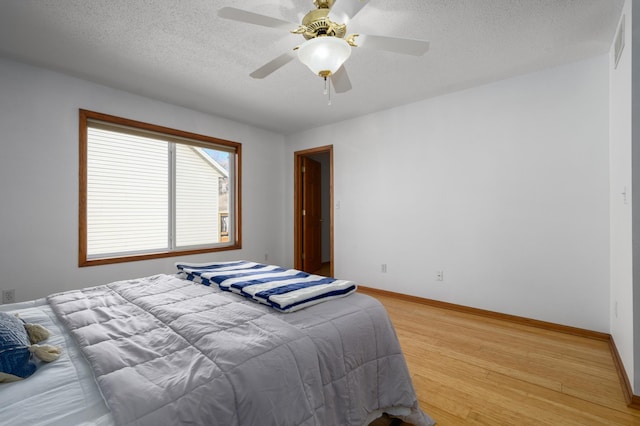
286, 290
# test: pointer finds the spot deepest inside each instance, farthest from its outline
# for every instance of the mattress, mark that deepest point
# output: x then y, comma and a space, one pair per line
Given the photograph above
63, 392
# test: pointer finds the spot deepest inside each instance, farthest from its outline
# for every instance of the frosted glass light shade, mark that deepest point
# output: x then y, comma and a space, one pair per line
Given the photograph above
324, 55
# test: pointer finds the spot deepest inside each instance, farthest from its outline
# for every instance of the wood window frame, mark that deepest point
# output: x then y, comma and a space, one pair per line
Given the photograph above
85, 116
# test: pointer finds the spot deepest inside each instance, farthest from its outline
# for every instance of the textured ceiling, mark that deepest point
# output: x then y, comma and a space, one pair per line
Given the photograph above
181, 52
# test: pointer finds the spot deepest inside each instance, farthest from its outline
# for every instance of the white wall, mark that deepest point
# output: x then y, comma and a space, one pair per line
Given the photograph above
504, 187
39, 180
635, 141
620, 118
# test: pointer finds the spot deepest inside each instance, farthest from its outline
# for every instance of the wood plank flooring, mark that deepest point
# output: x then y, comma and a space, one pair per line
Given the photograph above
473, 370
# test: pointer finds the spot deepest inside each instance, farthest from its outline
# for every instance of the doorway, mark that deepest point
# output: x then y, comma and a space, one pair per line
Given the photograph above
313, 212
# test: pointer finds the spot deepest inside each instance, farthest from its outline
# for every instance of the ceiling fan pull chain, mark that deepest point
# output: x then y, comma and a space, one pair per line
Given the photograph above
328, 90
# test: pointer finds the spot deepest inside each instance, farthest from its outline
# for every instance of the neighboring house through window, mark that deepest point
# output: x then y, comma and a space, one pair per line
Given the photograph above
148, 191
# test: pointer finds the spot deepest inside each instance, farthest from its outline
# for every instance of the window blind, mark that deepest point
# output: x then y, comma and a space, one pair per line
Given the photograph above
127, 193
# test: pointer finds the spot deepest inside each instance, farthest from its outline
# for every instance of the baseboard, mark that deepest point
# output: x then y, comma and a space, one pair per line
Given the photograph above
491, 314
633, 401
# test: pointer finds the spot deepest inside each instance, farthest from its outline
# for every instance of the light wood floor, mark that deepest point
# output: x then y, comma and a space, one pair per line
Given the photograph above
472, 370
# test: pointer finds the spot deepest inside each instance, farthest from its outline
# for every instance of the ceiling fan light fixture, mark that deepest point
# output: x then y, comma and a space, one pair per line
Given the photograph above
324, 55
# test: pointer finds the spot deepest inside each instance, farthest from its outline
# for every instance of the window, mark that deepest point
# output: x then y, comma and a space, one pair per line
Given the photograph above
148, 191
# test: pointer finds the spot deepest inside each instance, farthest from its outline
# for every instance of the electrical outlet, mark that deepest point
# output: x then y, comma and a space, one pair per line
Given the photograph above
8, 296
439, 276
383, 268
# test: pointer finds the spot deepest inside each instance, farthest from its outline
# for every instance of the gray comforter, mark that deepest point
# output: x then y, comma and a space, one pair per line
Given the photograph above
166, 351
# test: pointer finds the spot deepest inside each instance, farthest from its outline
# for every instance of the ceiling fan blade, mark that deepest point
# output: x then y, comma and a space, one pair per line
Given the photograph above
344, 10
340, 80
273, 65
392, 44
254, 18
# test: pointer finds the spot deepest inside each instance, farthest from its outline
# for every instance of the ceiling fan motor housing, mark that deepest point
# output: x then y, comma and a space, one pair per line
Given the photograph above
316, 23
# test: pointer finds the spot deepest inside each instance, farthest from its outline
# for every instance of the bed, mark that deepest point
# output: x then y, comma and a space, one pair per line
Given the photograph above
167, 350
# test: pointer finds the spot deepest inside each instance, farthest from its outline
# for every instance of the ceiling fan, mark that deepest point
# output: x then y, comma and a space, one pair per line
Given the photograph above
327, 44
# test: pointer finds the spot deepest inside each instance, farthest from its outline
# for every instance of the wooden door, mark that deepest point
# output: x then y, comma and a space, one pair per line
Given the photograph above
311, 215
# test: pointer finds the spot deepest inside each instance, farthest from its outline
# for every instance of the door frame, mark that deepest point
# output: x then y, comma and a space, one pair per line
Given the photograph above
297, 203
